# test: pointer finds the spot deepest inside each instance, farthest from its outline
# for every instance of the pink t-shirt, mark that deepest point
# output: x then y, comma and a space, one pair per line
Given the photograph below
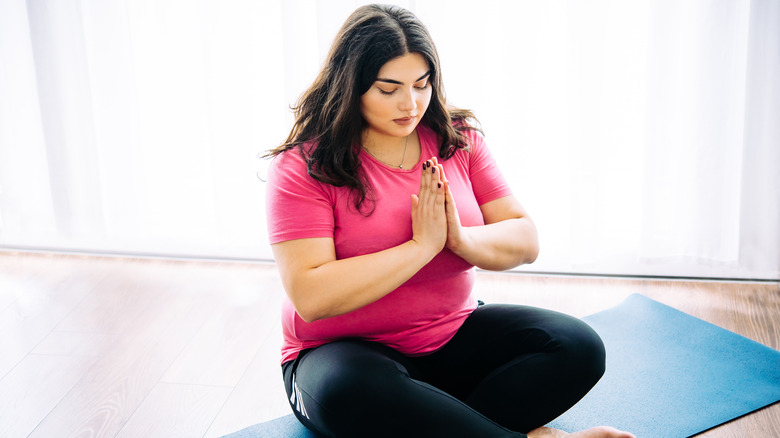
422, 314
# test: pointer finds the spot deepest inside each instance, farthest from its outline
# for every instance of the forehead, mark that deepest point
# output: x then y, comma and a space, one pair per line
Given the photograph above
405, 68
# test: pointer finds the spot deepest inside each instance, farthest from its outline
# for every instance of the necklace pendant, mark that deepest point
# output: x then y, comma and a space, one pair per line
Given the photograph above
400, 166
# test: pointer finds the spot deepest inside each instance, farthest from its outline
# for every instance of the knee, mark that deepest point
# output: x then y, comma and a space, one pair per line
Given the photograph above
596, 352
585, 350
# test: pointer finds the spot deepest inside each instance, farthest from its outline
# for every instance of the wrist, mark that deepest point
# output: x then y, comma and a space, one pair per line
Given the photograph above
460, 242
423, 251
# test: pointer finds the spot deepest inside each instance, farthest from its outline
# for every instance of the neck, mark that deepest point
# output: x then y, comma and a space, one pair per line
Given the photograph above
381, 143
392, 151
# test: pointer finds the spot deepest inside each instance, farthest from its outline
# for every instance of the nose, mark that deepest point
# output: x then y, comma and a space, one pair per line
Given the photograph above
408, 102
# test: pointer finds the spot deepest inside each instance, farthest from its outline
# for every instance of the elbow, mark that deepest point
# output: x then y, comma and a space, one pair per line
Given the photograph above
308, 297
306, 317
510, 258
308, 308
531, 248
524, 254
305, 310
532, 252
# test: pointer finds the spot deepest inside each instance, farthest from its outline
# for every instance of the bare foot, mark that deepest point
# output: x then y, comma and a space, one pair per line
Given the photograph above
596, 432
546, 432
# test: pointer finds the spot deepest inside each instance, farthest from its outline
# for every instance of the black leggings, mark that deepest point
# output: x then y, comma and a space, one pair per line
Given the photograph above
508, 370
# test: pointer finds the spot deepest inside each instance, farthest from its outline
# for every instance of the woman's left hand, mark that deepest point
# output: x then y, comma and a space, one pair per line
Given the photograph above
455, 232
507, 239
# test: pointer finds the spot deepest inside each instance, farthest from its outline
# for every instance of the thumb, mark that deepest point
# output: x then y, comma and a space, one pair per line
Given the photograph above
448, 194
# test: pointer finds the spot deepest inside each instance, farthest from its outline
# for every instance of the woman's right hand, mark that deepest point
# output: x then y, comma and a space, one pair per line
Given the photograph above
429, 218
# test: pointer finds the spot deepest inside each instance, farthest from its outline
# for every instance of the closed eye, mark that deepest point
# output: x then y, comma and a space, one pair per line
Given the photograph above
424, 79
423, 86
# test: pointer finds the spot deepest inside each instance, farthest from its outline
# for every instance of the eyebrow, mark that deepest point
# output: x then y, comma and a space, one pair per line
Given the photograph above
393, 81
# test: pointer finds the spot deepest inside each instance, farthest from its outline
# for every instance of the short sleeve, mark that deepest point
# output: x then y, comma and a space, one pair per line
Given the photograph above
297, 205
487, 180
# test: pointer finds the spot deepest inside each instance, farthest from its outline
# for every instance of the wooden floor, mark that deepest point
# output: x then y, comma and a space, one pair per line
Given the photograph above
113, 347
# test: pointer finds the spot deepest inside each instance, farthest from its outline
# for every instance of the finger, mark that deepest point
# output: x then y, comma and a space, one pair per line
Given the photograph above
435, 174
449, 201
441, 195
424, 180
442, 176
428, 186
435, 180
429, 178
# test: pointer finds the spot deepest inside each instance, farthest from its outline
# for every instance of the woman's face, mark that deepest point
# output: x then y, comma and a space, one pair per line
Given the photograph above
397, 100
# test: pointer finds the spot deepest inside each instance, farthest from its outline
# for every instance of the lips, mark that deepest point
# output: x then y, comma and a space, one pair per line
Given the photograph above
405, 120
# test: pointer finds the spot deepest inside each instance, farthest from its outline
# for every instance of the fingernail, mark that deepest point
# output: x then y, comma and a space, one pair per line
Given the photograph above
434, 170
439, 185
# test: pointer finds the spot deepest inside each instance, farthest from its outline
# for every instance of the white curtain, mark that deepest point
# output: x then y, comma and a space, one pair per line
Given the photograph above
642, 136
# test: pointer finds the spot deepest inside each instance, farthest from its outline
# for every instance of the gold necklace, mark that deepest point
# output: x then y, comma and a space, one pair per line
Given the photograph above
403, 157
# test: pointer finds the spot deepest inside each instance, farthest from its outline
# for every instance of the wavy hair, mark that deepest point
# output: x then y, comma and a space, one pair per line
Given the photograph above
328, 113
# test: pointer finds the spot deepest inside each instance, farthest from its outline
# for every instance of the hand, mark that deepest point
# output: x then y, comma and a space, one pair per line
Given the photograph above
429, 218
455, 234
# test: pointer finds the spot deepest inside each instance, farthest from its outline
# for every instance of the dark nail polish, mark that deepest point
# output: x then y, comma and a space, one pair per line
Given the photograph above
439, 185
434, 170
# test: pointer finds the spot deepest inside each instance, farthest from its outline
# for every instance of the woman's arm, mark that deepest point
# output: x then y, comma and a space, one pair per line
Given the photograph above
320, 286
508, 238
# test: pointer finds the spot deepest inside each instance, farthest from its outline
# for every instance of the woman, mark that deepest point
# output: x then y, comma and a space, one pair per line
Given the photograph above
380, 203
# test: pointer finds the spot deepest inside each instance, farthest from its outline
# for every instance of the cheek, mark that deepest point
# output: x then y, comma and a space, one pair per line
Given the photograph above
424, 100
370, 105
365, 105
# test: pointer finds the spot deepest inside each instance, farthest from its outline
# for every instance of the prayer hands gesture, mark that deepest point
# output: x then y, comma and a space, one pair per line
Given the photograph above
435, 220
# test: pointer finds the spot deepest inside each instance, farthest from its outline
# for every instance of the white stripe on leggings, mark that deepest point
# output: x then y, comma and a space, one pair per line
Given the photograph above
296, 400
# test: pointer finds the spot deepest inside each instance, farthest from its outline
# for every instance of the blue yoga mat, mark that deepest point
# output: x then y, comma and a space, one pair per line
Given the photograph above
672, 375
284, 427
668, 375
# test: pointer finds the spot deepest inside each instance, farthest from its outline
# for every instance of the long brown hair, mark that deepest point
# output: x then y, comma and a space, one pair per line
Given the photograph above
328, 113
